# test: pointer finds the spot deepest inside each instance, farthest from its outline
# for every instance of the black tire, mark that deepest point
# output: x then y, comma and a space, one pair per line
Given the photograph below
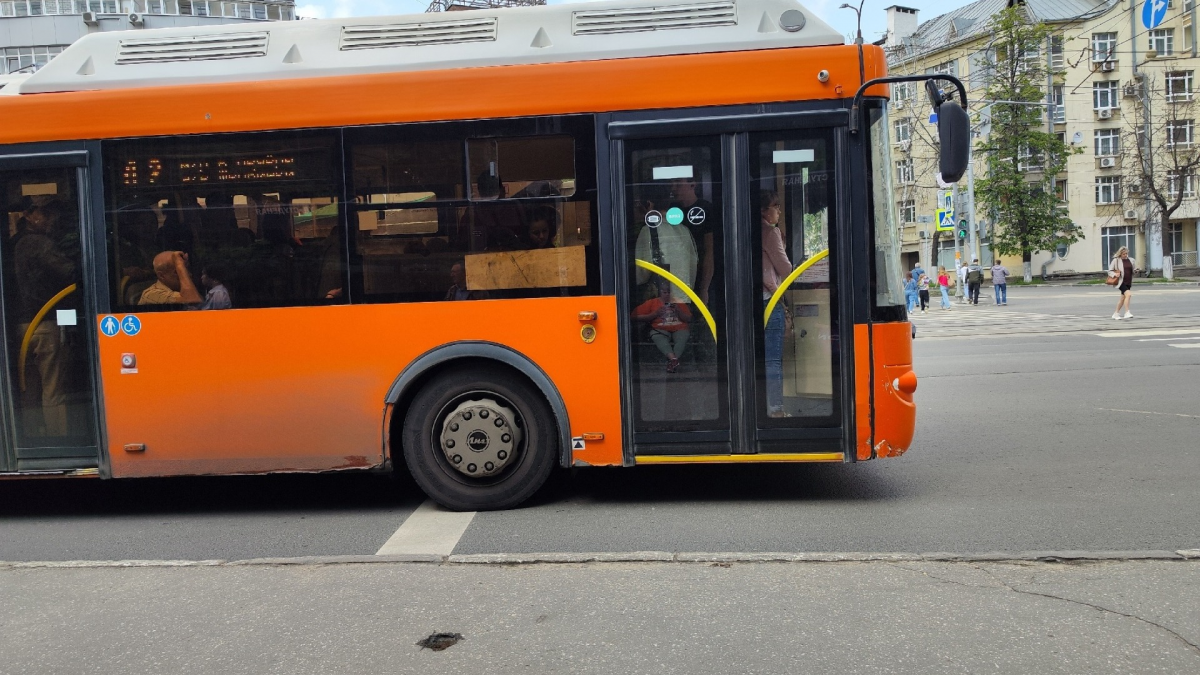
533, 459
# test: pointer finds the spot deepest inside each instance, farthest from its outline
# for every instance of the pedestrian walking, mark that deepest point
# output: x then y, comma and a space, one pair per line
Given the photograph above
974, 281
961, 290
1000, 283
910, 292
917, 271
944, 285
1121, 268
923, 292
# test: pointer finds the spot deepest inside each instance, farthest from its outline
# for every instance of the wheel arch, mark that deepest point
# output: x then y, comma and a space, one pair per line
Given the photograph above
437, 360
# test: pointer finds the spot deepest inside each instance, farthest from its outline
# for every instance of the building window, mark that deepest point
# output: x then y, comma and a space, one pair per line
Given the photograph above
1179, 132
1104, 95
1175, 232
1108, 189
1108, 142
260, 11
155, 7
1057, 53
1104, 47
1179, 86
908, 211
1162, 41
904, 171
1060, 190
946, 68
28, 59
903, 131
1186, 179
1113, 238
1187, 35
904, 91
1060, 110
1027, 160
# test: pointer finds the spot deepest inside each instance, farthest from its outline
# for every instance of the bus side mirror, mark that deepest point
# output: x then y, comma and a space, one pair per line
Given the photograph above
954, 137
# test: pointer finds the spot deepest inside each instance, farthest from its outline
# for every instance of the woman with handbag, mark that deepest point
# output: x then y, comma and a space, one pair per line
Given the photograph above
1120, 274
775, 267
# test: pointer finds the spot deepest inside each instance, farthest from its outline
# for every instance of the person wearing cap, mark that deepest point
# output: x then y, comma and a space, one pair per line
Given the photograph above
974, 281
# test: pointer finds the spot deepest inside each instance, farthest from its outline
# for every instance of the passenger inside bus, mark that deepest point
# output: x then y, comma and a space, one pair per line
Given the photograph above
701, 219
668, 324
543, 228
458, 285
174, 285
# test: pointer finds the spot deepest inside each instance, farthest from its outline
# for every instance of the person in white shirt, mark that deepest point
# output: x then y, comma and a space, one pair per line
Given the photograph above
961, 290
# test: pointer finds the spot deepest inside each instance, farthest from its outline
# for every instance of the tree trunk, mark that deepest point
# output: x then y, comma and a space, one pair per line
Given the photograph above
1027, 266
1168, 270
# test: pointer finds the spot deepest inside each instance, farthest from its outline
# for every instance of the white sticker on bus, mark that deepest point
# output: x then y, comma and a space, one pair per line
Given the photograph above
669, 172
791, 156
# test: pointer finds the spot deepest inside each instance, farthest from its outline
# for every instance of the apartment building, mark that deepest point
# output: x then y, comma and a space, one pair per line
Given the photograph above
1102, 64
34, 31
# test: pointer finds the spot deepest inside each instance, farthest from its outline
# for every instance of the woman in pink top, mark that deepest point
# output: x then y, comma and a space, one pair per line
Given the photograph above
776, 267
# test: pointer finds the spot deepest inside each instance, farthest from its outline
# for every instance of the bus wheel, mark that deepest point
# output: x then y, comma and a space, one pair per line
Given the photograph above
479, 439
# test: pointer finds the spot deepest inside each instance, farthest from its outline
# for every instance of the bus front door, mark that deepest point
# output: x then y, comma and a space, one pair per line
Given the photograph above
732, 311
47, 390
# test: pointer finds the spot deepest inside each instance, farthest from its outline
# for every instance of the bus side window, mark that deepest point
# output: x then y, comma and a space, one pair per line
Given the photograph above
469, 218
260, 210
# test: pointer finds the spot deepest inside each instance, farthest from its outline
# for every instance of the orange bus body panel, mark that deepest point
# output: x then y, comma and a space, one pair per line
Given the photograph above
303, 389
862, 391
895, 411
661, 82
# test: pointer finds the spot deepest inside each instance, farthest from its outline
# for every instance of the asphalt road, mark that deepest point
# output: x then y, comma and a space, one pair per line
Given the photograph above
1035, 433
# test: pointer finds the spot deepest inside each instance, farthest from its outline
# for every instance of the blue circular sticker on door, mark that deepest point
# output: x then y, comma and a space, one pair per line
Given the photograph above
674, 215
131, 325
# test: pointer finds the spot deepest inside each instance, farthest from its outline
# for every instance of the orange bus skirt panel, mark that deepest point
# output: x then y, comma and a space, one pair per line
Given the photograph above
895, 410
303, 388
862, 391
467, 93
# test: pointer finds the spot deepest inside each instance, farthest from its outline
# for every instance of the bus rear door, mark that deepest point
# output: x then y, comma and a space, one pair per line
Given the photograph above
47, 390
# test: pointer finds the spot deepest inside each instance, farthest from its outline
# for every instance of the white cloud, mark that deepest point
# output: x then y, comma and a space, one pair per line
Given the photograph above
311, 11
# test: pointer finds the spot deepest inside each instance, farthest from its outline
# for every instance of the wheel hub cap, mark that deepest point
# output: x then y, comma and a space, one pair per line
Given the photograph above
480, 438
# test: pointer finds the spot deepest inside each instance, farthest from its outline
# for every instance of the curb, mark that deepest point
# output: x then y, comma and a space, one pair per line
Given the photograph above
634, 557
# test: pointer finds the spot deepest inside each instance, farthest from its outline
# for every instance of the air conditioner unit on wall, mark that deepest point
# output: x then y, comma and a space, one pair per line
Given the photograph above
1105, 114
922, 234
1108, 162
1135, 188
1108, 66
898, 105
1131, 214
90, 18
136, 19
905, 145
1131, 91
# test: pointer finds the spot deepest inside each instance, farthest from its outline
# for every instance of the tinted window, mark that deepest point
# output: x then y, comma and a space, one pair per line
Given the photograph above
474, 211
256, 215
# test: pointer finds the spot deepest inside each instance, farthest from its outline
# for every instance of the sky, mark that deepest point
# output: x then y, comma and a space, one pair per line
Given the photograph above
874, 18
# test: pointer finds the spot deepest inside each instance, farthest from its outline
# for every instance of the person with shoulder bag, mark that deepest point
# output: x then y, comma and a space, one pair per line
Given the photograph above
775, 268
1120, 274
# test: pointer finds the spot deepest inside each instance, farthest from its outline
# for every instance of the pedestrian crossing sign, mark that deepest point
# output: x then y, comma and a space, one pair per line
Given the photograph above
945, 220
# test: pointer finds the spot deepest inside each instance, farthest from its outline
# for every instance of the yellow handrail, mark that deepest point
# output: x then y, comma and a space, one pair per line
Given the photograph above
37, 320
783, 286
712, 325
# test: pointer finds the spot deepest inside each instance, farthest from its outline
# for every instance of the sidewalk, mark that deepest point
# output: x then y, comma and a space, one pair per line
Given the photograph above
901, 616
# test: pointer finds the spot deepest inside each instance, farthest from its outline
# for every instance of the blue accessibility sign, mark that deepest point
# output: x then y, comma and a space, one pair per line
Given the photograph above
131, 325
1153, 13
110, 326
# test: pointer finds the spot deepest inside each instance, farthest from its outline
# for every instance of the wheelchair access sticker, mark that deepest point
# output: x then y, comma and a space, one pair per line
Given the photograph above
129, 325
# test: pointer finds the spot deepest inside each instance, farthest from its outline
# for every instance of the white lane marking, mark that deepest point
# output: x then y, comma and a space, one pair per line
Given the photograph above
1187, 346
1148, 412
430, 529
1144, 333
1170, 339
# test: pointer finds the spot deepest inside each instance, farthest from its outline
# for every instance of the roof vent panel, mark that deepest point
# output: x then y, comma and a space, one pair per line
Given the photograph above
425, 34
639, 19
192, 48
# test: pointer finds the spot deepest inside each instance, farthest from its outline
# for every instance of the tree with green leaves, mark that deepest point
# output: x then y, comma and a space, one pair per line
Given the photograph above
1022, 158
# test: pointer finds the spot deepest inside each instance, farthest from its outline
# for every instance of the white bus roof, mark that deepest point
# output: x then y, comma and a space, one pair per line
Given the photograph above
334, 47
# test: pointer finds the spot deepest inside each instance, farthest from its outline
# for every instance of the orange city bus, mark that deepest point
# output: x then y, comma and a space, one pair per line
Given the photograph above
475, 245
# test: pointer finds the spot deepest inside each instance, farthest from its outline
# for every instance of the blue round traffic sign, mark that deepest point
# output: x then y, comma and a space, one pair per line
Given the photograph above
131, 325
1153, 13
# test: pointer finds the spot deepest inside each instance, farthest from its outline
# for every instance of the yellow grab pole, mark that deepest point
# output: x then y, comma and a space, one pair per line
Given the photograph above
712, 325
37, 320
783, 286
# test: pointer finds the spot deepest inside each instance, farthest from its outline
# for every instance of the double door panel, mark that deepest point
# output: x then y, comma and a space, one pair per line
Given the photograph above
730, 275
47, 390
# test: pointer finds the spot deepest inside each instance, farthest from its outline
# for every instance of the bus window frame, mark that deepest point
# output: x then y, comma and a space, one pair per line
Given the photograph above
580, 127
879, 313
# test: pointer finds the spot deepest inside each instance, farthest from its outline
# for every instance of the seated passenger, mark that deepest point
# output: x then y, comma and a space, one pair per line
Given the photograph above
458, 289
668, 324
543, 227
217, 297
174, 285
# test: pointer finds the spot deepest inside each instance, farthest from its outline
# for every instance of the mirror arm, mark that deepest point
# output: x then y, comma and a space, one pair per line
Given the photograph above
858, 95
